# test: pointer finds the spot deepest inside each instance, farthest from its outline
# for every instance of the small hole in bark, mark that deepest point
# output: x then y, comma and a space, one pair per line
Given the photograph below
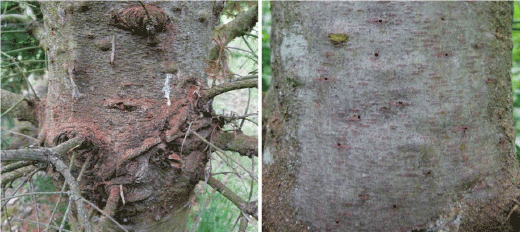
326, 78
337, 221
359, 116
339, 144
380, 20
376, 54
395, 206
442, 18
446, 54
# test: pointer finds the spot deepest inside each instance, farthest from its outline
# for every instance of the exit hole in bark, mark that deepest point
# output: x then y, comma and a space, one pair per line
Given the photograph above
427, 173
337, 222
376, 54
394, 206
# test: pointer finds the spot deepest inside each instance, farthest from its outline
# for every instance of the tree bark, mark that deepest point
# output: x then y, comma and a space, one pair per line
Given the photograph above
389, 116
131, 82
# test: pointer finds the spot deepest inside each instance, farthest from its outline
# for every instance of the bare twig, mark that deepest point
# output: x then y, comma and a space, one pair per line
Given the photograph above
66, 214
228, 86
87, 161
230, 166
29, 71
252, 182
237, 141
76, 195
8, 218
12, 107
35, 193
52, 155
22, 72
22, 109
16, 165
23, 49
249, 46
146, 11
110, 207
234, 116
242, 24
105, 214
63, 189
247, 107
40, 154
33, 222
20, 134
36, 206
204, 206
240, 49
248, 208
252, 35
29, 177
51, 218
185, 136
223, 152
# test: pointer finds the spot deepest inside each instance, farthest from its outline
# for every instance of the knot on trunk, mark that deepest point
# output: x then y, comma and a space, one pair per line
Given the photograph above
145, 20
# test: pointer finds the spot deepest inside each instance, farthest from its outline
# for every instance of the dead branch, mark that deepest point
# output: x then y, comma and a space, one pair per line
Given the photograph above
228, 86
28, 177
105, 214
11, 176
243, 224
241, 25
14, 18
224, 153
34, 193
20, 134
39, 223
16, 165
52, 155
34, 27
110, 209
24, 109
249, 208
234, 116
235, 141
42, 154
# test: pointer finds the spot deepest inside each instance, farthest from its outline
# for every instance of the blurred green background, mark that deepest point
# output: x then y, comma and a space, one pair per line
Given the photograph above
515, 70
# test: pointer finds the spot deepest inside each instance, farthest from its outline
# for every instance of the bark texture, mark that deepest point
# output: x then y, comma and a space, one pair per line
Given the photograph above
389, 116
130, 82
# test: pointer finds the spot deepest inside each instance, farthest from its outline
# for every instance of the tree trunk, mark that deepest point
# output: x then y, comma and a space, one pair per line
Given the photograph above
129, 79
389, 116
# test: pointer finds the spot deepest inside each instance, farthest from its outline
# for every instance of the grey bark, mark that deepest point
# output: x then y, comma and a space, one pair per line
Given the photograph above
389, 116
130, 87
